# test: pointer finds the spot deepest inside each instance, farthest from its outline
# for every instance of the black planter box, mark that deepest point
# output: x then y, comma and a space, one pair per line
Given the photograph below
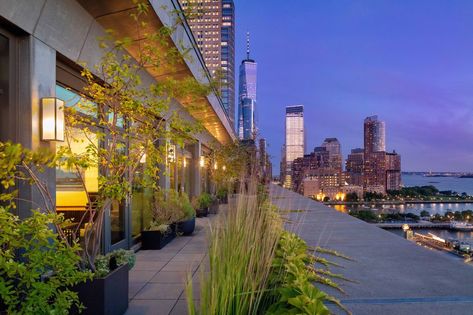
214, 208
108, 295
202, 212
186, 228
156, 239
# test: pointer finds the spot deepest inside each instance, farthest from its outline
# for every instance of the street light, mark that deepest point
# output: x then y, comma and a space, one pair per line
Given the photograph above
52, 119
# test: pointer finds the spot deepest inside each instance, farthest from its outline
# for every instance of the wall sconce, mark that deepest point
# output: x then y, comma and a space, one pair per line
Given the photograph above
171, 153
143, 158
215, 166
202, 161
52, 119
224, 168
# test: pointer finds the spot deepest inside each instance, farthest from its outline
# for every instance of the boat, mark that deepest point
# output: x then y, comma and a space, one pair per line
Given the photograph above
461, 226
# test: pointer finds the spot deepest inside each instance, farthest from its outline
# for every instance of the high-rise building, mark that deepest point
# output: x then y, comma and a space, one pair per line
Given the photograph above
295, 140
213, 26
227, 56
374, 135
381, 170
354, 167
247, 97
393, 171
333, 147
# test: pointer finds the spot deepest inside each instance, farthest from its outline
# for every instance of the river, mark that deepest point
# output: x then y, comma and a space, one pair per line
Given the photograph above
442, 183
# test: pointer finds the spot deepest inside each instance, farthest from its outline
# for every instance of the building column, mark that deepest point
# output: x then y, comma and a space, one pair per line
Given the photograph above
36, 66
196, 151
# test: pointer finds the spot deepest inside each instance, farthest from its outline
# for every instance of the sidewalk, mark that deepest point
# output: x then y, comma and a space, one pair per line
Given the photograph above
157, 281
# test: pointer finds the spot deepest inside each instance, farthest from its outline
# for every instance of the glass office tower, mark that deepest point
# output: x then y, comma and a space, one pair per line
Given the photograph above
295, 139
247, 98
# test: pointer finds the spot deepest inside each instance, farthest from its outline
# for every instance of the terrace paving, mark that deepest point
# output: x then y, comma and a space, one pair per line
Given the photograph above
393, 275
157, 280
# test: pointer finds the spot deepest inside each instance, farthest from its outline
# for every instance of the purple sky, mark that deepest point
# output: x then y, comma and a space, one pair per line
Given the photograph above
409, 62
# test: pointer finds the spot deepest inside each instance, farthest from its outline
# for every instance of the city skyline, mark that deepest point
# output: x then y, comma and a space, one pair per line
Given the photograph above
413, 69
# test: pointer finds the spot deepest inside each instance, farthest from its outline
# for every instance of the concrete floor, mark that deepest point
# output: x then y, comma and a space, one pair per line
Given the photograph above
157, 281
393, 275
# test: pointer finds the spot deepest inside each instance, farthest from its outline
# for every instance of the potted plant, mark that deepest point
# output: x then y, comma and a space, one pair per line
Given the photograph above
107, 292
186, 225
222, 195
165, 213
202, 204
214, 204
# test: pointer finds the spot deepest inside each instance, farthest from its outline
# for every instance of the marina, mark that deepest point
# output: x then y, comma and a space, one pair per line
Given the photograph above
456, 247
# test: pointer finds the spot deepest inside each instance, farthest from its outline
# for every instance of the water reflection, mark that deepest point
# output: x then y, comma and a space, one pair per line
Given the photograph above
432, 208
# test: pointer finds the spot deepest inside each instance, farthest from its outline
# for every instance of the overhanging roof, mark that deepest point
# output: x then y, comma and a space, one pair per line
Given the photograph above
116, 15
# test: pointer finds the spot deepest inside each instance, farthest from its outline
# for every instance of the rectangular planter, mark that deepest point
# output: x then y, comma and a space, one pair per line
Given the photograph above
200, 213
108, 295
156, 239
213, 208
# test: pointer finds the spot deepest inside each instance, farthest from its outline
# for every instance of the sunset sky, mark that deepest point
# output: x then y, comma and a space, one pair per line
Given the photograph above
409, 62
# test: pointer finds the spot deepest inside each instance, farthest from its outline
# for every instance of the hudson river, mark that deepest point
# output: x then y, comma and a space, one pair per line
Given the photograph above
442, 183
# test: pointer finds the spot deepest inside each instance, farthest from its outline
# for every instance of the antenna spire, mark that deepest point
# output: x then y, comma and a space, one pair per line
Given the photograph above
247, 45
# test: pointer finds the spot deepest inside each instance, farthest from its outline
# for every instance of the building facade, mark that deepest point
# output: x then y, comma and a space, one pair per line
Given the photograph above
374, 168
393, 171
247, 97
294, 139
354, 167
374, 135
333, 147
213, 26
42, 50
322, 183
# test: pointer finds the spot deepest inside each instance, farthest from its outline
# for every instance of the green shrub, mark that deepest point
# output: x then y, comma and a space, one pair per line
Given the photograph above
205, 200
167, 209
120, 256
36, 267
188, 211
292, 276
222, 193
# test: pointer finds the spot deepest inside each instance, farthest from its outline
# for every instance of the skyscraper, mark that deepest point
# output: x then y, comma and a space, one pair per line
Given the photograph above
295, 139
213, 26
381, 170
247, 97
227, 56
374, 135
332, 145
